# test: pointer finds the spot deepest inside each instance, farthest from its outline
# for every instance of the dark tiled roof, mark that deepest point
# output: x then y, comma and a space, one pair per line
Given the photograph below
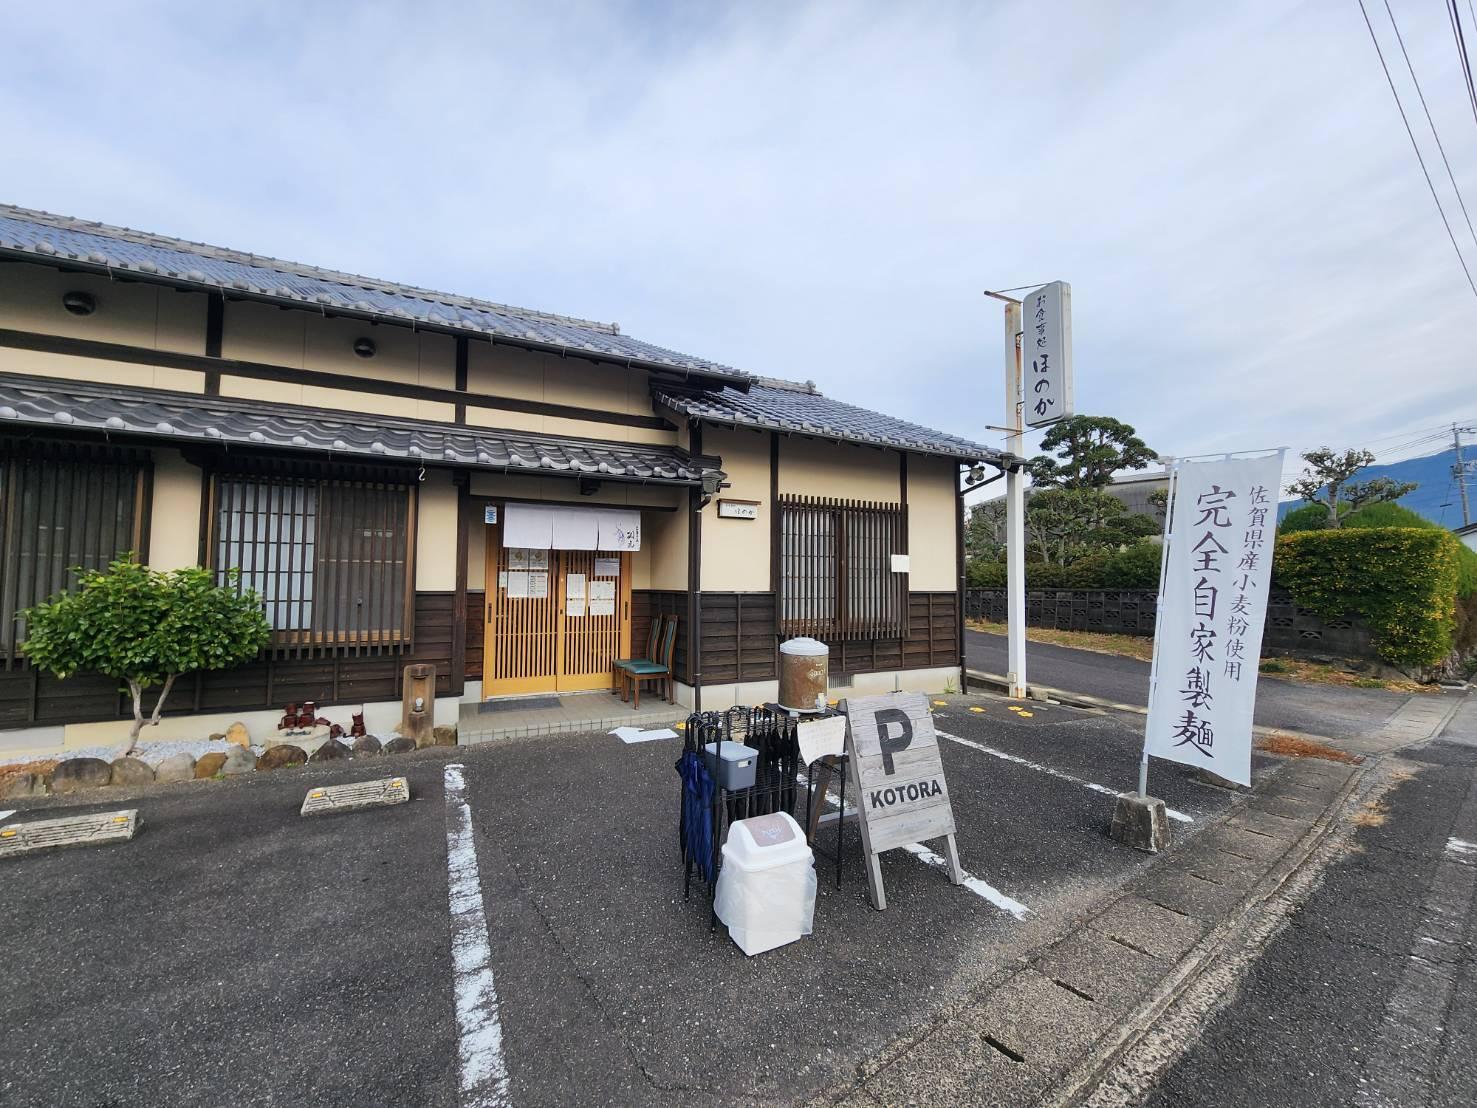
41, 236
31, 403
787, 406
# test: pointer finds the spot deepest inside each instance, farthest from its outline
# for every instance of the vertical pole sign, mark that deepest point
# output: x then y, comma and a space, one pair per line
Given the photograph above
897, 777
1047, 344
1212, 608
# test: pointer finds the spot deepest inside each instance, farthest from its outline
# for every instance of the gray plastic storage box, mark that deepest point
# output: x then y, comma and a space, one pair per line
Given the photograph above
736, 770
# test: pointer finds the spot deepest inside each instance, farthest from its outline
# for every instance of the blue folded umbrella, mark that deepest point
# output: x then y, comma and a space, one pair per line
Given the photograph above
697, 812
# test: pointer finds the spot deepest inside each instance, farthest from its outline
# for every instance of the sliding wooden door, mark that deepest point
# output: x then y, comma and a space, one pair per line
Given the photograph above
556, 620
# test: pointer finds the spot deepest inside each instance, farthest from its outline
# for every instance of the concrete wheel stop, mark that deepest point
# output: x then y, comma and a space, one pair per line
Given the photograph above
1140, 822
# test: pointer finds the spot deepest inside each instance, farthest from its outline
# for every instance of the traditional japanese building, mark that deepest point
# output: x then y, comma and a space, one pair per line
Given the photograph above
409, 476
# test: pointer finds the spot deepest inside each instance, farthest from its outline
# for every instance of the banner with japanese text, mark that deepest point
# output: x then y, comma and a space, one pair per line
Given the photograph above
1212, 607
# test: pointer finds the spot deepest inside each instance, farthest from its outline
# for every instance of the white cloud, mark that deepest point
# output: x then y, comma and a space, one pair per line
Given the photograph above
818, 191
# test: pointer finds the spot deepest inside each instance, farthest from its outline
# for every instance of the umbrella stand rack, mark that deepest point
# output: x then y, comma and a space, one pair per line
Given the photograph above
755, 751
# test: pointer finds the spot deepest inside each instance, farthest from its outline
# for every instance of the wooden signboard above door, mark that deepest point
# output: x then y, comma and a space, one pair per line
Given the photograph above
897, 777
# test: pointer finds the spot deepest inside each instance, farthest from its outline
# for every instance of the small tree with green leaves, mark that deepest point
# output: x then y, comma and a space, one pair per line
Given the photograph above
1329, 481
145, 629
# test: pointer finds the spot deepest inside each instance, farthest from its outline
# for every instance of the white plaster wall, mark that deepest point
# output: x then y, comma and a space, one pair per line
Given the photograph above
736, 551
435, 534
932, 539
174, 523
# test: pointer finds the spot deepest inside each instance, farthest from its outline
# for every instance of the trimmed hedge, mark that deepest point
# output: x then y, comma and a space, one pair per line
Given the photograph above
1401, 580
1136, 567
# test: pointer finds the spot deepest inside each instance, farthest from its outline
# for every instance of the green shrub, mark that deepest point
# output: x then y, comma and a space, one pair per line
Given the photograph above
1134, 568
1087, 572
1401, 580
980, 574
1310, 517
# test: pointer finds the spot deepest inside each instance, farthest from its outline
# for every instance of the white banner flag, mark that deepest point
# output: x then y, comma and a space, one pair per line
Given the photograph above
1212, 607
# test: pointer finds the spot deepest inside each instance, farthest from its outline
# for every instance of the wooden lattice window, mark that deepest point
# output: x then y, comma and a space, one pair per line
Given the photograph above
63, 506
332, 560
836, 578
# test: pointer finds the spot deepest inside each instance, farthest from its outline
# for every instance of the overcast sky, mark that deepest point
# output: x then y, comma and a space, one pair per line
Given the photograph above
822, 191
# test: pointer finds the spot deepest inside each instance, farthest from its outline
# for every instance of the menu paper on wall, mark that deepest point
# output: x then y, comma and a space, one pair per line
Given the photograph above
602, 607
538, 586
607, 567
517, 584
602, 590
574, 586
518, 557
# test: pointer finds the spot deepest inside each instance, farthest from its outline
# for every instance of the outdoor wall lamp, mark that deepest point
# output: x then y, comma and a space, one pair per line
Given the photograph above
364, 347
79, 303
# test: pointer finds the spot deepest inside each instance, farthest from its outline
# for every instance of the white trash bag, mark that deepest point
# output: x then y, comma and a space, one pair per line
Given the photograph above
766, 887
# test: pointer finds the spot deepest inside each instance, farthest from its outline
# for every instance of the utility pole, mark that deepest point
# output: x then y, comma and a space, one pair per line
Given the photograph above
1461, 472
1015, 504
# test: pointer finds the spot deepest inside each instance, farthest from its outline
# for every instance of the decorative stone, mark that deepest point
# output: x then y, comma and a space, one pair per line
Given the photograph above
238, 735
80, 773
217, 736
239, 760
400, 744
331, 750
443, 736
177, 767
282, 755
365, 746
132, 771
1140, 822
22, 784
304, 737
208, 765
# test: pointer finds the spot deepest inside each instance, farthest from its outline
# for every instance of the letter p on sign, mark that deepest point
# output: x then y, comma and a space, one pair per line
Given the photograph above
889, 719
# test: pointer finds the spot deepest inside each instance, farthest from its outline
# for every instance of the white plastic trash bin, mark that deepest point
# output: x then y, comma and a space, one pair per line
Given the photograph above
766, 888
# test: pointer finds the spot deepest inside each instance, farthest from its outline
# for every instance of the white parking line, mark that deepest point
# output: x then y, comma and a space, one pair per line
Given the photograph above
982, 889
1460, 846
1050, 772
484, 1075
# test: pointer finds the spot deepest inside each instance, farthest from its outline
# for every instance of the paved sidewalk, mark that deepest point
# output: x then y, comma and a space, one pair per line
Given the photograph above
1044, 1030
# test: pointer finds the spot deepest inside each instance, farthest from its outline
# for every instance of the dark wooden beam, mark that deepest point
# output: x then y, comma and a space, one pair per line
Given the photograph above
459, 601
461, 377
215, 329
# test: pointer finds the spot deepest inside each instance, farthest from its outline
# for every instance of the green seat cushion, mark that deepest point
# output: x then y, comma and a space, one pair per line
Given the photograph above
627, 663
645, 668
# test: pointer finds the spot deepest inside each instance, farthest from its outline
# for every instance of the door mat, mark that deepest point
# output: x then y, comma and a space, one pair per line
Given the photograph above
520, 704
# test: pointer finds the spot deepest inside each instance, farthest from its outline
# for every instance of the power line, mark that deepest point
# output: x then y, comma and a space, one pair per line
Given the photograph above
1416, 146
1453, 13
1413, 80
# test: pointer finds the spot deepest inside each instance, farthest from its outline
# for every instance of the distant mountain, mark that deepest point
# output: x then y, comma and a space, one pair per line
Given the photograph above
1434, 486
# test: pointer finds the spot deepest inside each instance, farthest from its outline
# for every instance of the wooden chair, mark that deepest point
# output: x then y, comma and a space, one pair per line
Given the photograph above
653, 644
661, 670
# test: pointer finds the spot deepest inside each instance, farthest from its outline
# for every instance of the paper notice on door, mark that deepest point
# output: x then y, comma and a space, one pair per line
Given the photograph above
518, 557
602, 607
602, 590
538, 559
574, 607
607, 567
538, 586
821, 737
517, 584
574, 586
502, 578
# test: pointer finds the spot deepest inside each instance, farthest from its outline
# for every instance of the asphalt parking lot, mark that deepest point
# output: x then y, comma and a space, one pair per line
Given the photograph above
237, 953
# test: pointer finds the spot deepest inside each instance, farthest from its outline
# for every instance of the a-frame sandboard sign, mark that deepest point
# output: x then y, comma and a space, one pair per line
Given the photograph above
897, 777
